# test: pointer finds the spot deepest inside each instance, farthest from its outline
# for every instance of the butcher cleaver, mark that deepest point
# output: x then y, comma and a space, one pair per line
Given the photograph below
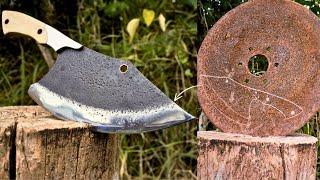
83, 85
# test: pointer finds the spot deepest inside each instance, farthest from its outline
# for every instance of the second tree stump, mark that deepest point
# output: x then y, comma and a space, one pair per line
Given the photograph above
236, 156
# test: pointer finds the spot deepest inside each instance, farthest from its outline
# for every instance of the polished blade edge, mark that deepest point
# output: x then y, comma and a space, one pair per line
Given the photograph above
104, 120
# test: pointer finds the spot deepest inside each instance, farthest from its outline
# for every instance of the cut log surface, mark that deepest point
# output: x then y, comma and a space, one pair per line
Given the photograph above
36, 145
237, 156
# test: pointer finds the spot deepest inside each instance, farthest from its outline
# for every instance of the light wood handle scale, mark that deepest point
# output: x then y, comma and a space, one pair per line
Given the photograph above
16, 22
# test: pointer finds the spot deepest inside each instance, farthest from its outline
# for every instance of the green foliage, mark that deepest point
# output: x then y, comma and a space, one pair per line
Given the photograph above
17, 72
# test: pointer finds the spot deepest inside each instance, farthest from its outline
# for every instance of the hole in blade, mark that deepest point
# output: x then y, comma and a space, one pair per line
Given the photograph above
123, 68
6, 21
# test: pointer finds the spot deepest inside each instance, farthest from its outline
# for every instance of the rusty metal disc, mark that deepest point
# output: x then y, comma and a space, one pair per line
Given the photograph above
284, 96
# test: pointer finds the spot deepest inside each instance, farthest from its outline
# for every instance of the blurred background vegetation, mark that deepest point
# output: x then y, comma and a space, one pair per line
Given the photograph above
166, 57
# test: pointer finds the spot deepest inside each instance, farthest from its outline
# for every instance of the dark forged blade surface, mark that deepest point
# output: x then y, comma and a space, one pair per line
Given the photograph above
282, 99
87, 86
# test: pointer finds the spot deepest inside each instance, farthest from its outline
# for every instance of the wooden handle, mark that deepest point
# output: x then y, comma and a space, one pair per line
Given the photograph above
16, 22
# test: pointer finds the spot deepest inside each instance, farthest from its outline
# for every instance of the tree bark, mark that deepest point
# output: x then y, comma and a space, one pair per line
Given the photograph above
237, 156
35, 145
7, 133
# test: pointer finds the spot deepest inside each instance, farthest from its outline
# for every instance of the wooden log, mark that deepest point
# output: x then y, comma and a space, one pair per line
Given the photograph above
38, 146
7, 133
237, 156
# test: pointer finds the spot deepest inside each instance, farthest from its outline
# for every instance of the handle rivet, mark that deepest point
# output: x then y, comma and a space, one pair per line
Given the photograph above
39, 31
6, 21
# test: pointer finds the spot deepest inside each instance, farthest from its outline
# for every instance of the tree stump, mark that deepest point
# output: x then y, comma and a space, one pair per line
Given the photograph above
237, 156
36, 145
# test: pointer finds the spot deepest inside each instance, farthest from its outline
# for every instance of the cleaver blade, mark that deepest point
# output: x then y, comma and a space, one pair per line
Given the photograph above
85, 86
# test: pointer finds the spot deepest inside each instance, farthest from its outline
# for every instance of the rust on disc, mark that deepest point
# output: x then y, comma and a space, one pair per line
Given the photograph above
286, 95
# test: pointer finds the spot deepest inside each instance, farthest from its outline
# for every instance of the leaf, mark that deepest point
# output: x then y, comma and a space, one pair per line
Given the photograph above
183, 57
191, 3
162, 22
114, 9
131, 57
188, 73
132, 28
148, 16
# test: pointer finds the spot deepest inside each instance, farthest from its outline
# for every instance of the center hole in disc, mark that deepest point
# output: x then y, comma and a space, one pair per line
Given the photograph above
258, 64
